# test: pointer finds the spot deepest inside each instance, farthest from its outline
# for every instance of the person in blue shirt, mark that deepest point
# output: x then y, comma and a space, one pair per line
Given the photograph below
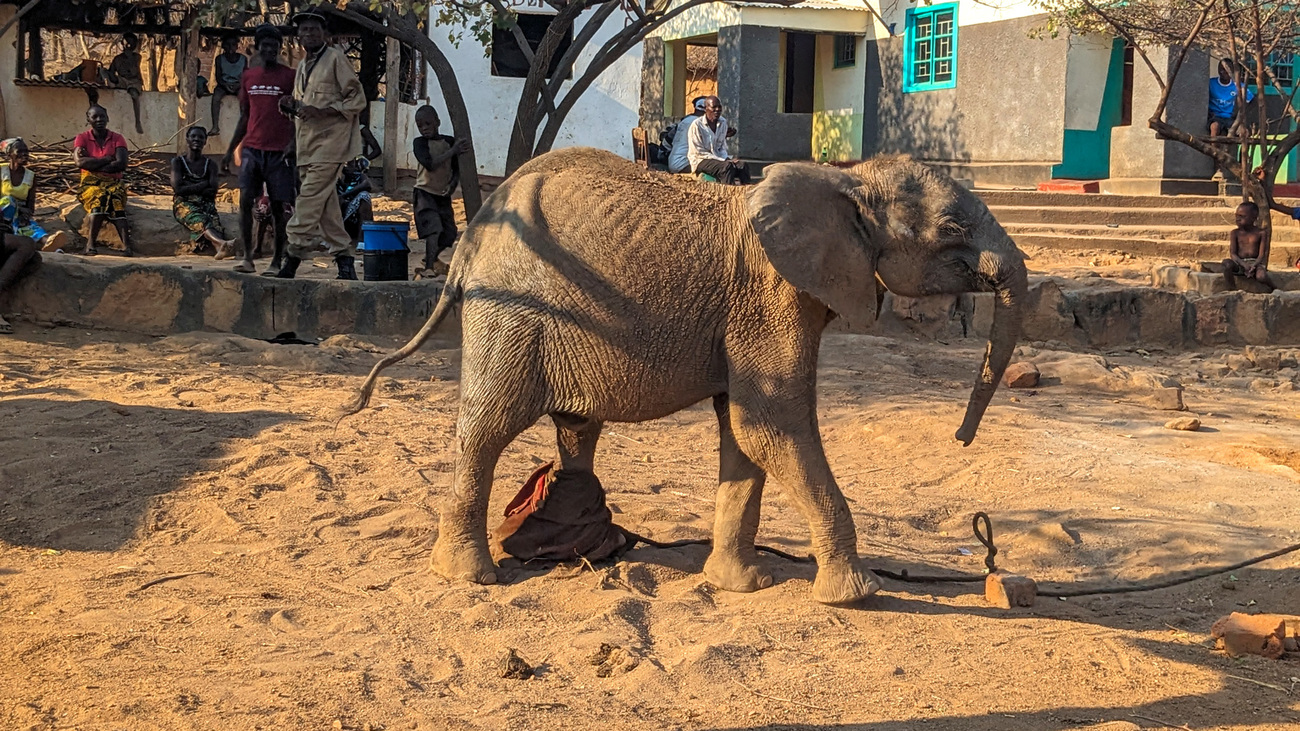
1223, 100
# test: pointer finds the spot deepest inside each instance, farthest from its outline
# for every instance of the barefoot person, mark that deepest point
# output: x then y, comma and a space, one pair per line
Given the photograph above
18, 257
124, 73
194, 196
1247, 249
267, 136
101, 155
327, 102
227, 75
436, 180
18, 185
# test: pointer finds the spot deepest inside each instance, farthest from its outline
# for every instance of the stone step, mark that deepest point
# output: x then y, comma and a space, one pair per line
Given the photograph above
1282, 235
1101, 215
1103, 200
1282, 254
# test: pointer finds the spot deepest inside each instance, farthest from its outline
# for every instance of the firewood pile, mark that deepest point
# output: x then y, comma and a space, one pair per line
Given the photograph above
55, 172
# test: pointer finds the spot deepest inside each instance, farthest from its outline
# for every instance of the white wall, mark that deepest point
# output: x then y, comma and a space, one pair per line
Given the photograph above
603, 117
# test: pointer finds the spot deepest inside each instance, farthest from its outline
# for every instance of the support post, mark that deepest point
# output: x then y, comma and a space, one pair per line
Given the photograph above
187, 51
392, 108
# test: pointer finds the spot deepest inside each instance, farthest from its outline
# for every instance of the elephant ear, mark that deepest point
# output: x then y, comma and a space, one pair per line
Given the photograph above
813, 225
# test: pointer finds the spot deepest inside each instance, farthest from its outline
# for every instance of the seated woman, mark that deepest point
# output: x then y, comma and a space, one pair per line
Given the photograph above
101, 155
18, 257
354, 197
194, 196
18, 189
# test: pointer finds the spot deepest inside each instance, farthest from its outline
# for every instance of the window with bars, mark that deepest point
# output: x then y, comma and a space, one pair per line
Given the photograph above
846, 51
930, 53
1283, 67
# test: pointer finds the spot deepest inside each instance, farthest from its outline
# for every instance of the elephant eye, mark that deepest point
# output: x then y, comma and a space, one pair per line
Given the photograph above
953, 229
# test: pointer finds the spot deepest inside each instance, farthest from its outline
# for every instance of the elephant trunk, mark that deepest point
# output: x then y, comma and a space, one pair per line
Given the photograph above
1005, 274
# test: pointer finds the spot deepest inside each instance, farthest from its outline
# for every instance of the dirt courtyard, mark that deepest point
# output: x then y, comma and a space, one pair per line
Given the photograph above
293, 556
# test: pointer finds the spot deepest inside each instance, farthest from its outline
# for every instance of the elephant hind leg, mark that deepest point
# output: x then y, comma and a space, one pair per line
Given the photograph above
733, 565
461, 551
575, 438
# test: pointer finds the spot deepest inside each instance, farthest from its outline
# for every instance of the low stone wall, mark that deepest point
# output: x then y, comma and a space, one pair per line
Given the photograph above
1107, 315
162, 299
159, 299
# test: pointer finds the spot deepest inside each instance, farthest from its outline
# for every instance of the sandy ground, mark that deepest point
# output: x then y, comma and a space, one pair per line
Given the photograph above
298, 594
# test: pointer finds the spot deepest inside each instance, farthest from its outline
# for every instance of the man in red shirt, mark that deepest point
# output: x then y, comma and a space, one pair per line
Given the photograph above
267, 136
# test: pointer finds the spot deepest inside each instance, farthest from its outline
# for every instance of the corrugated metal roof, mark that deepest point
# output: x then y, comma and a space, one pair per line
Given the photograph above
809, 5
56, 82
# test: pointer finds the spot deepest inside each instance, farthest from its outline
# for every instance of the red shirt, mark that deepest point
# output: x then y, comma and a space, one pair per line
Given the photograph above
86, 140
259, 92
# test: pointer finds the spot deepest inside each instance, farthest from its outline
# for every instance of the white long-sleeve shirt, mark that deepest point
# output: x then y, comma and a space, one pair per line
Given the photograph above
678, 161
705, 143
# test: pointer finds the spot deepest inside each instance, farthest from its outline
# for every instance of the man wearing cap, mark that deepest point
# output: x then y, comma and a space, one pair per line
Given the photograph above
678, 162
267, 136
327, 102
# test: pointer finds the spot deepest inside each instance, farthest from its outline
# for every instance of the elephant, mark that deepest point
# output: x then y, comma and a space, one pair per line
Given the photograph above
594, 290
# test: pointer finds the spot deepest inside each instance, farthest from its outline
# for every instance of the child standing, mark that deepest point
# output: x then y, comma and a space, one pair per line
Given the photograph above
1247, 249
439, 174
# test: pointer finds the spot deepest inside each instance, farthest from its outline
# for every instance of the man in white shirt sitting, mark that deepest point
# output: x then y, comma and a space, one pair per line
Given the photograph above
707, 147
678, 162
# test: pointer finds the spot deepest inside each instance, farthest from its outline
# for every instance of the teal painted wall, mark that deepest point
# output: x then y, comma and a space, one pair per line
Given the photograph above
1085, 155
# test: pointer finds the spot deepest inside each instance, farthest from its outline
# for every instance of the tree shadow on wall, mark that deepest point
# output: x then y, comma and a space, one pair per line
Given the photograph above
927, 125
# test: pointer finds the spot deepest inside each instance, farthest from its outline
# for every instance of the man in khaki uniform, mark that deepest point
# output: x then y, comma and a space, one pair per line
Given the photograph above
327, 101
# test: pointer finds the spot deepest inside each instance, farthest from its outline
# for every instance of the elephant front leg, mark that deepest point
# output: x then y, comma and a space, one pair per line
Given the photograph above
783, 439
733, 565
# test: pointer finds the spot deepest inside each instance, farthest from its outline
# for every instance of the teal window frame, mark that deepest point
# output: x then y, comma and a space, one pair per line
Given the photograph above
1276, 62
846, 51
923, 48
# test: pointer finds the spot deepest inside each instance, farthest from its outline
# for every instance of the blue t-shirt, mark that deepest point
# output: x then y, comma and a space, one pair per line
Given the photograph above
1223, 98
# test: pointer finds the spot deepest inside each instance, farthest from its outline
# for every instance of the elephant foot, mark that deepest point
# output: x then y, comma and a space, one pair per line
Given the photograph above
731, 572
844, 582
464, 560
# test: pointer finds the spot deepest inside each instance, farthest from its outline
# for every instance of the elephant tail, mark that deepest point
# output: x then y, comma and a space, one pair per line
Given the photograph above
451, 294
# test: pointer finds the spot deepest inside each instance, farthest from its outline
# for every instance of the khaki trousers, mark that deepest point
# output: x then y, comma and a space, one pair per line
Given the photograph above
317, 219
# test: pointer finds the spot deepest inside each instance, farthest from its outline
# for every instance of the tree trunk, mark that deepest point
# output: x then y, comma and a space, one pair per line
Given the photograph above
528, 114
392, 108
186, 82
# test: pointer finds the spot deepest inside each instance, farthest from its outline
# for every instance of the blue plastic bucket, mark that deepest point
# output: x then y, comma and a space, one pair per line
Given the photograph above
384, 236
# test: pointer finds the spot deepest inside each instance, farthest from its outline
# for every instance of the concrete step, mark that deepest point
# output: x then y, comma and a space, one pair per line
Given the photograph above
1219, 233
1282, 254
1099, 215
1103, 200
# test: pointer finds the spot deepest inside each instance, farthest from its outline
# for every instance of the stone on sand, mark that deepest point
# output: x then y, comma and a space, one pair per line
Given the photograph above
1021, 375
1246, 634
1186, 423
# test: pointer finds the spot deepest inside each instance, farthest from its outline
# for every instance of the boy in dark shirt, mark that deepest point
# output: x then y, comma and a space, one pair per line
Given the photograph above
436, 180
1247, 249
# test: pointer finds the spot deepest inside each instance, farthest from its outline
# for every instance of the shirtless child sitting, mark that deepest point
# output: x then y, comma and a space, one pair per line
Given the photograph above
1247, 249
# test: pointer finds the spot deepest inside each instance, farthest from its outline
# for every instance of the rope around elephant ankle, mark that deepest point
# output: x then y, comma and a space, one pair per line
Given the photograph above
983, 529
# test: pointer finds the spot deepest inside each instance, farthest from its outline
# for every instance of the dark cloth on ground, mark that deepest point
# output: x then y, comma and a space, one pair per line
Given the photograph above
560, 516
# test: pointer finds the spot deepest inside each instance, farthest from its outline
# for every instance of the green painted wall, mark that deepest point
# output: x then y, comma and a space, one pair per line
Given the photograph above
1085, 154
